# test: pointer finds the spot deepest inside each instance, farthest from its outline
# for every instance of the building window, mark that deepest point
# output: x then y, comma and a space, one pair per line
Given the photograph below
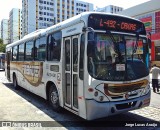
51, 20
51, 14
40, 18
51, 9
51, 3
40, 12
40, 1
40, 7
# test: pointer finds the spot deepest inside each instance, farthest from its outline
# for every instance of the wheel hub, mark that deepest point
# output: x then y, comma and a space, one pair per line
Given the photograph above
54, 97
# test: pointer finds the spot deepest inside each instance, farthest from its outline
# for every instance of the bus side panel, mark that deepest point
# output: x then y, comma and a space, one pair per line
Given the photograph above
33, 77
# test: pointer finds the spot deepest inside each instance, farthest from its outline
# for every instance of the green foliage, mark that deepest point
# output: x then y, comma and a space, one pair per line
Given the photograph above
2, 46
1, 41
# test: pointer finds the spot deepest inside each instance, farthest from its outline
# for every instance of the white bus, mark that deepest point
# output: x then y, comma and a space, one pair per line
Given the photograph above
2, 61
94, 64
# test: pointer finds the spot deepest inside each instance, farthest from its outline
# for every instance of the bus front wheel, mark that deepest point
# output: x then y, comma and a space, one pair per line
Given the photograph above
54, 99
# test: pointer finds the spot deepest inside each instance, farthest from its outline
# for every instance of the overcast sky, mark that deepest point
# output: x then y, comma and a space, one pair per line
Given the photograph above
7, 5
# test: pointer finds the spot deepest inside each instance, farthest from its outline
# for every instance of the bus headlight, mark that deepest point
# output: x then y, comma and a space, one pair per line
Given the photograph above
99, 94
146, 90
95, 93
101, 98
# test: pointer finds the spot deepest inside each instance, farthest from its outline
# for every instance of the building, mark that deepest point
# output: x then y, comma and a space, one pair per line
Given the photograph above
5, 31
82, 7
39, 14
149, 14
14, 25
110, 9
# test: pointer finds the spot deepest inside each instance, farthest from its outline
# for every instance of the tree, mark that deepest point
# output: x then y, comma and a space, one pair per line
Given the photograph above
2, 46
1, 41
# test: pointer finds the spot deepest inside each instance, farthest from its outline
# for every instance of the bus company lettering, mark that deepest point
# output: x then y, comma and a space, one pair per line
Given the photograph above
31, 70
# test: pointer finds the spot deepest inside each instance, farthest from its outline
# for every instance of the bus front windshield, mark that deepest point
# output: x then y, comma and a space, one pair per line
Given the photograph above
116, 57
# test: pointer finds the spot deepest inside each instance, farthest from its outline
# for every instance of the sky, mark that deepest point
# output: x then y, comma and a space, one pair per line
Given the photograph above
7, 5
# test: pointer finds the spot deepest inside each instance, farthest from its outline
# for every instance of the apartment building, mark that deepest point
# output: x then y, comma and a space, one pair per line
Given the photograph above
15, 25
82, 6
39, 14
110, 9
5, 31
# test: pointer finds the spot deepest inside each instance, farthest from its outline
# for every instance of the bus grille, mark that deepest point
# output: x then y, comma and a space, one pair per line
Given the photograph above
125, 105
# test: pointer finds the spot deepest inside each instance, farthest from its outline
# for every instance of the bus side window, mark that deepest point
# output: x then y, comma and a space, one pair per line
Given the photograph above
14, 53
81, 63
39, 49
54, 46
29, 51
21, 52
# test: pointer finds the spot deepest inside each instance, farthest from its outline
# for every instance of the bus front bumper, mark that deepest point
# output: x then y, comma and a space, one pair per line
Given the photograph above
98, 110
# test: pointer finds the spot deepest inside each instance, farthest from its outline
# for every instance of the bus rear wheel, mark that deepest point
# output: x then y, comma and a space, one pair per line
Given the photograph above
15, 84
54, 99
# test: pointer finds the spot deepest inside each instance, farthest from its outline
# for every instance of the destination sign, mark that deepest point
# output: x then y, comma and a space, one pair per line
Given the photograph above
116, 23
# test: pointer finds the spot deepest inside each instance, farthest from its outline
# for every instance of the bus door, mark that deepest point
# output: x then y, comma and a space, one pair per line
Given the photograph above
8, 56
71, 45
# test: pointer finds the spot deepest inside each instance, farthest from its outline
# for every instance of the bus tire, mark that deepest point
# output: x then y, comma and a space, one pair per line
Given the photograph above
15, 84
54, 99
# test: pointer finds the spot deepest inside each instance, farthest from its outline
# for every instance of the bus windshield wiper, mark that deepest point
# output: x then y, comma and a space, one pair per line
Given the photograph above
113, 40
116, 46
